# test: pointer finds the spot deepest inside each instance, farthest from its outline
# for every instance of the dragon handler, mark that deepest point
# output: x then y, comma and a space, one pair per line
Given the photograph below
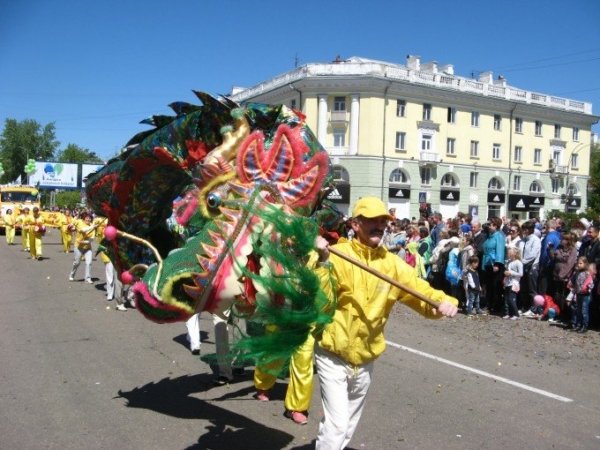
348, 346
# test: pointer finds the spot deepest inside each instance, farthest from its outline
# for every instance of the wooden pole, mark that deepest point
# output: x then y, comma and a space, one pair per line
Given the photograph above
384, 277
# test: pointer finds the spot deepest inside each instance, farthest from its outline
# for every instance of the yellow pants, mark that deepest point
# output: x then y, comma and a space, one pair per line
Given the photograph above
25, 239
35, 245
66, 239
10, 235
300, 387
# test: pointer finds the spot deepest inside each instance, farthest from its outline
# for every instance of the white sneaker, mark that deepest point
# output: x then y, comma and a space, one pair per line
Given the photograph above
71, 279
528, 313
89, 280
120, 308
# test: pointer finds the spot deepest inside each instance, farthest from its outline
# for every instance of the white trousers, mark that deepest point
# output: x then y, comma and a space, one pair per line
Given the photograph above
344, 390
193, 331
87, 255
221, 328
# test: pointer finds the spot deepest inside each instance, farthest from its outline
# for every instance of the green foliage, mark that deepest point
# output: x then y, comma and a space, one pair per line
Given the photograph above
68, 199
594, 182
25, 140
75, 154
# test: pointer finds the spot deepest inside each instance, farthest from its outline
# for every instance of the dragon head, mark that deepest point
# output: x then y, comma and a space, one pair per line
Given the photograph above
204, 201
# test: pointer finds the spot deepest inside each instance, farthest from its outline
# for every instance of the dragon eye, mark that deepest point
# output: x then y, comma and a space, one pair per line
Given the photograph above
213, 200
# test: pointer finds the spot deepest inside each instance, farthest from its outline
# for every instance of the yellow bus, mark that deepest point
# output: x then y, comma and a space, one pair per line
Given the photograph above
16, 198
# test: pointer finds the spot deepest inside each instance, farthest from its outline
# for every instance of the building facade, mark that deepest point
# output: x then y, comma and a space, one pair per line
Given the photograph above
416, 133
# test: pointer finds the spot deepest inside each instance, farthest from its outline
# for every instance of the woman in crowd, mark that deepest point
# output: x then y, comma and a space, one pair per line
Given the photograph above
565, 258
494, 249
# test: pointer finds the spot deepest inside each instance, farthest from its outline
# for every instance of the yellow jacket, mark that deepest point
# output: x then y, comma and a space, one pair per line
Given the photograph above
364, 301
9, 220
84, 235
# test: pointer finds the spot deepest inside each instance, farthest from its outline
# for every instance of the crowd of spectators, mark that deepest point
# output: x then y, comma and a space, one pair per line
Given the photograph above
508, 263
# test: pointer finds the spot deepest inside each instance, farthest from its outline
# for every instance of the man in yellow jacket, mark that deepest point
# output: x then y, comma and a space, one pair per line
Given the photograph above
347, 348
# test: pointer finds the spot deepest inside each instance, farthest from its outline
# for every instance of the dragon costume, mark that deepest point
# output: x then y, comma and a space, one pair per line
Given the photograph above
217, 207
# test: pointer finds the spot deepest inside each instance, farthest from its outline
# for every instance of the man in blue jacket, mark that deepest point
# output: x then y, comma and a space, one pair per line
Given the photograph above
550, 243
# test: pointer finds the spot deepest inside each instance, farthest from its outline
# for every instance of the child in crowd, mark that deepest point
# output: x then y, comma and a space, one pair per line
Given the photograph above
543, 307
582, 284
512, 283
472, 285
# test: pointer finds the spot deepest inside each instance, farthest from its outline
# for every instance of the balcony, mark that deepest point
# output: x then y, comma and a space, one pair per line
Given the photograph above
339, 116
429, 158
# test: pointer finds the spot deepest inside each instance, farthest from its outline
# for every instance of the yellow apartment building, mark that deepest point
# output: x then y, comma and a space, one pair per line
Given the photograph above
414, 134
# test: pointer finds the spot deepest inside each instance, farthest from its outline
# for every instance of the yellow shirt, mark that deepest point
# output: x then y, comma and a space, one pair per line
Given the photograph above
364, 301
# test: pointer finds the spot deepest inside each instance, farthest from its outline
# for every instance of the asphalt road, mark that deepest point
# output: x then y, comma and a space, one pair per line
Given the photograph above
75, 373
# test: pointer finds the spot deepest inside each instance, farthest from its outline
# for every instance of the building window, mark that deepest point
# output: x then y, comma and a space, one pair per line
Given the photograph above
518, 154
556, 131
496, 152
426, 111
474, 119
339, 104
426, 143
340, 174
572, 190
400, 141
493, 211
339, 138
451, 146
400, 108
473, 179
574, 161
556, 157
474, 149
518, 125
399, 176
497, 122
537, 156
555, 185
517, 183
425, 173
575, 133
495, 184
538, 127
449, 180
451, 114
535, 187
293, 103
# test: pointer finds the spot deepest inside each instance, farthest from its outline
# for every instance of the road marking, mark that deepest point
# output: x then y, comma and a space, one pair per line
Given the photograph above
482, 373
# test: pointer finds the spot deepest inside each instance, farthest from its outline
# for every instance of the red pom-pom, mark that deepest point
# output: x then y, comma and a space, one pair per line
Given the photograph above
110, 233
71, 227
126, 277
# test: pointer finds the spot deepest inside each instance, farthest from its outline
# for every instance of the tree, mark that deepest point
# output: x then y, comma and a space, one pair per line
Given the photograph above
68, 199
75, 154
594, 181
25, 140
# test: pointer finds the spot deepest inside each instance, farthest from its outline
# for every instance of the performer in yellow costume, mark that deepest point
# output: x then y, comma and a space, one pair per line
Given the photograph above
37, 229
21, 222
67, 227
85, 233
9, 226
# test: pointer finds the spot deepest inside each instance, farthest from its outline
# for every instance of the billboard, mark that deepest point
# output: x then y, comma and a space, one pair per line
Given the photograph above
54, 175
88, 169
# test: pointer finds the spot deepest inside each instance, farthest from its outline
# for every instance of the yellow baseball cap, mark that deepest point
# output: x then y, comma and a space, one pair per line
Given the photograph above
370, 207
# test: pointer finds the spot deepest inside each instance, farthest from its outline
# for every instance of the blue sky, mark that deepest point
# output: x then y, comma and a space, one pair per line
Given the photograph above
96, 68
